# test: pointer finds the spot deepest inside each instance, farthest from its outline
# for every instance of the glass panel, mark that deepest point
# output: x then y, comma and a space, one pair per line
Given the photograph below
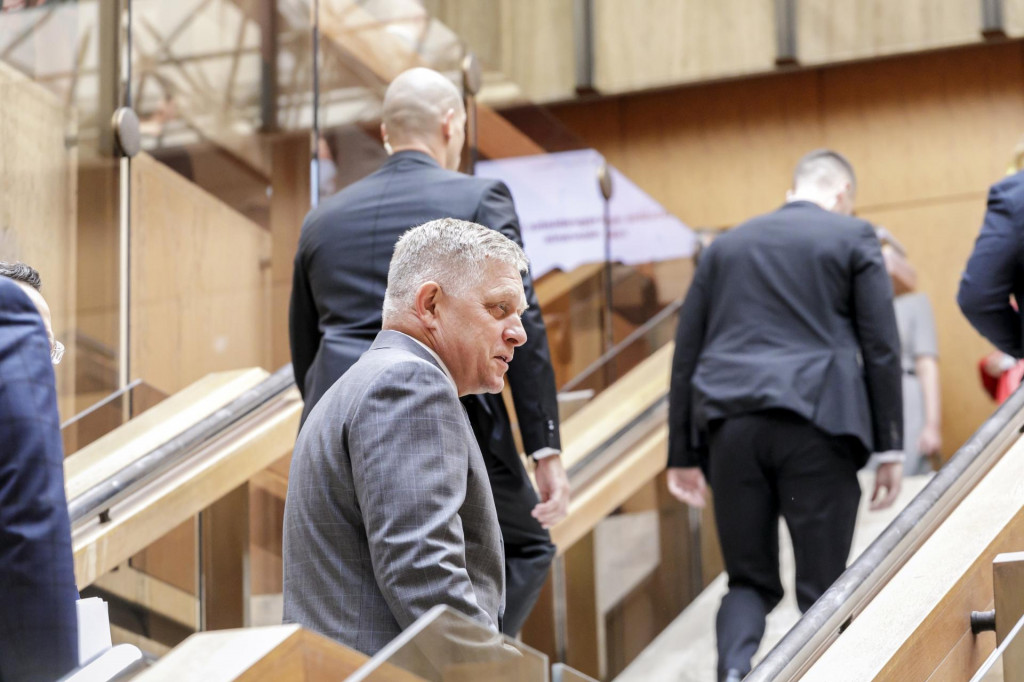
623, 357
196, 81
59, 210
447, 646
102, 417
206, 81
363, 46
571, 233
560, 672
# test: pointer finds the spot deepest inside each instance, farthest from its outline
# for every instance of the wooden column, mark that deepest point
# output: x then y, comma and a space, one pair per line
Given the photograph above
585, 629
289, 204
225, 564
1008, 591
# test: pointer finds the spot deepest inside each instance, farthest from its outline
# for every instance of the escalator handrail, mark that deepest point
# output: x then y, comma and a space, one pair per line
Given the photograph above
101, 496
826, 619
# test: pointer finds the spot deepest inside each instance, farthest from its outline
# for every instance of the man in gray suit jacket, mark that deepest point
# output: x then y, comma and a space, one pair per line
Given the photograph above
389, 509
341, 269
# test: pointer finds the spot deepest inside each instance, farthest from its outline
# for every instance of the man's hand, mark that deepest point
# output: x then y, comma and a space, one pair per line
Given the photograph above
688, 486
553, 485
930, 441
888, 477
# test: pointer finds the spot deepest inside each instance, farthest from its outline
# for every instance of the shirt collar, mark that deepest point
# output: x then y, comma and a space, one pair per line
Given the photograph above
440, 362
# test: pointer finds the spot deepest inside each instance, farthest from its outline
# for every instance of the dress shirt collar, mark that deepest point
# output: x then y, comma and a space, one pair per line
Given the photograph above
437, 357
412, 155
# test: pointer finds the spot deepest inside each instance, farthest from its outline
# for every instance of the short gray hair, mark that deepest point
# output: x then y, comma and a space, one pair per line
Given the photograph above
824, 168
453, 253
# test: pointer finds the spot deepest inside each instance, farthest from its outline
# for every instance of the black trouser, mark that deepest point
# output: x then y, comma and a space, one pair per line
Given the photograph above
528, 547
762, 465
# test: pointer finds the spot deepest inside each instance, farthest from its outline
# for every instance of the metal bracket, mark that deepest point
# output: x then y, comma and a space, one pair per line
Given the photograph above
993, 24
785, 33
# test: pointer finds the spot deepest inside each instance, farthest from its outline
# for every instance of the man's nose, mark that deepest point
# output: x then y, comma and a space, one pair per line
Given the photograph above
516, 334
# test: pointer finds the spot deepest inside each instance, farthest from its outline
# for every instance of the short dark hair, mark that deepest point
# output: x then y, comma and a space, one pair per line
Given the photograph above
20, 272
821, 163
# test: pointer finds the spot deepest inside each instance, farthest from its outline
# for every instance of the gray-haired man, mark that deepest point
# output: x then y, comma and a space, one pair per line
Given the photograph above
389, 510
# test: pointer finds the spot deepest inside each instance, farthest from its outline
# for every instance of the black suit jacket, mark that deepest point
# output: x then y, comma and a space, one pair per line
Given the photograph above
791, 310
341, 270
996, 269
38, 625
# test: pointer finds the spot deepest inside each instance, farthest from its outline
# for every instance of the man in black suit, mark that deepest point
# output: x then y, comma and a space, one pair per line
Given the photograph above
38, 624
786, 376
995, 270
338, 289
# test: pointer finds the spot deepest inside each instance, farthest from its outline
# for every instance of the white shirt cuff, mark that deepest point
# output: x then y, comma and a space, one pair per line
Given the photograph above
544, 453
889, 456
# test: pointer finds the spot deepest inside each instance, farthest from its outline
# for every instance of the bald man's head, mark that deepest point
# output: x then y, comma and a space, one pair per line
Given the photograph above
423, 110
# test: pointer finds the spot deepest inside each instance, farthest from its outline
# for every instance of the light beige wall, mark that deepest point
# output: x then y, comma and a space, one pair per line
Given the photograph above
1013, 12
662, 42
927, 134
529, 42
643, 44
200, 299
838, 30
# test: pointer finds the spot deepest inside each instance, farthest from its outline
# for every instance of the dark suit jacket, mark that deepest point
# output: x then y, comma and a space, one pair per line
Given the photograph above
996, 269
791, 310
38, 626
389, 510
341, 270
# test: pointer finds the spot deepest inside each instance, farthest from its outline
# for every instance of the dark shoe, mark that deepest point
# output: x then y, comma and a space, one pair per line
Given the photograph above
731, 675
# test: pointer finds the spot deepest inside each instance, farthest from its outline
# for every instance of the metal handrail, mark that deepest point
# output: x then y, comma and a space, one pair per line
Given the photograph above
866, 576
104, 494
601, 362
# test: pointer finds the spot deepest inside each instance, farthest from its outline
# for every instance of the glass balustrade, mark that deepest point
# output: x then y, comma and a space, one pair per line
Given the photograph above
444, 645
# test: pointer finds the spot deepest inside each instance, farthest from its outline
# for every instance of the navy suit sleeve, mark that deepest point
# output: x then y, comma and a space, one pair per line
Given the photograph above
875, 322
530, 374
992, 272
38, 624
303, 323
683, 447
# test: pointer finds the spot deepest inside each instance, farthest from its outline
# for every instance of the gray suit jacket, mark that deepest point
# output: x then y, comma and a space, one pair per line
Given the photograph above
389, 509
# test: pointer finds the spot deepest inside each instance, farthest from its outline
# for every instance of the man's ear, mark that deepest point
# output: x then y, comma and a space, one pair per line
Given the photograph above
428, 298
446, 124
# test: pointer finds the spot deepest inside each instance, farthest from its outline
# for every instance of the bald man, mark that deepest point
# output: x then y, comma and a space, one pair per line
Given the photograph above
338, 290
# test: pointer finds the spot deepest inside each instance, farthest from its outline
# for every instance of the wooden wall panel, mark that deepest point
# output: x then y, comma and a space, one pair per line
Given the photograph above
926, 126
650, 43
1013, 16
199, 297
477, 23
289, 180
528, 42
837, 30
927, 134
713, 155
537, 48
939, 237
38, 202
